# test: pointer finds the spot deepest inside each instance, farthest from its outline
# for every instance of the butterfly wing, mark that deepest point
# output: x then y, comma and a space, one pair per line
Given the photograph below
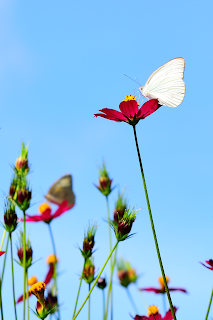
166, 83
61, 190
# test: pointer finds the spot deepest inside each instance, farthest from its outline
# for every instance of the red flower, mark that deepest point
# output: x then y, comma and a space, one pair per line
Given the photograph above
1, 253
46, 212
162, 290
129, 111
46, 281
156, 315
210, 262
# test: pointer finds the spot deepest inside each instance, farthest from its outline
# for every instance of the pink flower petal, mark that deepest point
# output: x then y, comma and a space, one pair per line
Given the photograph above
49, 274
156, 290
20, 299
148, 108
168, 315
62, 208
129, 108
111, 115
2, 252
178, 289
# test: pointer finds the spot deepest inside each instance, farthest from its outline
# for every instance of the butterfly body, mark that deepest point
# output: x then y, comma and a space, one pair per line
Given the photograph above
166, 83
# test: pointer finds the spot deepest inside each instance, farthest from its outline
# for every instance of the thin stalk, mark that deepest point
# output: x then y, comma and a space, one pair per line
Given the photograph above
111, 264
210, 302
13, 282
2, 276
54, 251
24, 263
110, 286
2, 240
153, 227
164, 303
79, 288
96, 280
28, 309
103, 303
143, 299
89, 304
131, 300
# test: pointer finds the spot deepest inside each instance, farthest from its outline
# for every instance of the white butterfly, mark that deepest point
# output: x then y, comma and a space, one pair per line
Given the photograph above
166, 84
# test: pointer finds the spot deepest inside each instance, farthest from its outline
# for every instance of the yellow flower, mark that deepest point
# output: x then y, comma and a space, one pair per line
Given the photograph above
43, 207
32, 280
162, 282
51, 259
152, 310
38, 290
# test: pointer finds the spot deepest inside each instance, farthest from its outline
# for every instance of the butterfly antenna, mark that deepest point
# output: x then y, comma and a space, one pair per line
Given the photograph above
132, 79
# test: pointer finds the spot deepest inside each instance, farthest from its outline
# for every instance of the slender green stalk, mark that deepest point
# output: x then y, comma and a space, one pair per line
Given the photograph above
131, 300
2, 240
111, 264
143, 299
28, 309
103, 303
2, 276
13, 283
96, 280
110, 286
210, 302
89, 304
54, 251
79, 288
24, 263
153, 228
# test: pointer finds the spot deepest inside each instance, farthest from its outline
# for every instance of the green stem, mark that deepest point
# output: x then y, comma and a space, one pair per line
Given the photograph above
24, 263
210, 302
96, 280
54, 251
28, 309
103, 303
2, 240
13, 283
79, 288
153, 228
110, 286
89, 304
111, 264
131, 300
2, 276
143, 299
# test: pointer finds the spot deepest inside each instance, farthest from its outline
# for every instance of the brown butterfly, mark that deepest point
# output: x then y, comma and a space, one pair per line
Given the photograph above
61, 190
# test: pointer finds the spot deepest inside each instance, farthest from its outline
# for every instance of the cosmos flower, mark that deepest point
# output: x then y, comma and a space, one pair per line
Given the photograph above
162, 290
46, 212
153, 314
130, 112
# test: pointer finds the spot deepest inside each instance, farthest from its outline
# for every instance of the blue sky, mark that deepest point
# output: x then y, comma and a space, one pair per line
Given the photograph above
60, 62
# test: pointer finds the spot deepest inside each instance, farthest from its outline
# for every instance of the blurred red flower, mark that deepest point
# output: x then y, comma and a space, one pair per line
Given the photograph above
130, 112
210, 262
156, 316
162, 290
46, 212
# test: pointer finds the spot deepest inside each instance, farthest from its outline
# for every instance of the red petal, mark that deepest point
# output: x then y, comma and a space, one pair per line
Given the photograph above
168, 315
156, 290
148, 108
111, 115
20, 299
156, 316
2, 252
129, 108
49, 274
35, 218
63, 207
210, 268
137, 317
178, 289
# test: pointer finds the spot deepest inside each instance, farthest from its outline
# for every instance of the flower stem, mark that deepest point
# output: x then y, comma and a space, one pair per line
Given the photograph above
28, 309
210, 302
103, 303
79, 288
54, 251
153, 228
131, 300
111, 264
24, 263
2, 240
110, 285
96, 280
14, 298
89, 304
2, 276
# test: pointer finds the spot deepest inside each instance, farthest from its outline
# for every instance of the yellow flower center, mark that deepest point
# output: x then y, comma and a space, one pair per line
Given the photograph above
162, 282
43, 207
32, 280
130, 98
152, 310
38, 290
51, 259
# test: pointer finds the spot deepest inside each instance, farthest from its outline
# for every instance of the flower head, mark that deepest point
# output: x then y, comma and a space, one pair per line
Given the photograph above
52, 259
126, 273
130, 112
104, 181
101, 284
10, 216
153, 314
21, 165
32, 280
46, 214
162, 289
38, 290
29, 251
89, 241
89, 271
120, 207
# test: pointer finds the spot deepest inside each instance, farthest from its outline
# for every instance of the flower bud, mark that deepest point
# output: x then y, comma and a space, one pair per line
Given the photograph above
29, 251
120, 207
10, 217
13, 188
124, 225
89, 271
126, 273
101, 284
89, 241
24, 198
21, 165
104, 181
